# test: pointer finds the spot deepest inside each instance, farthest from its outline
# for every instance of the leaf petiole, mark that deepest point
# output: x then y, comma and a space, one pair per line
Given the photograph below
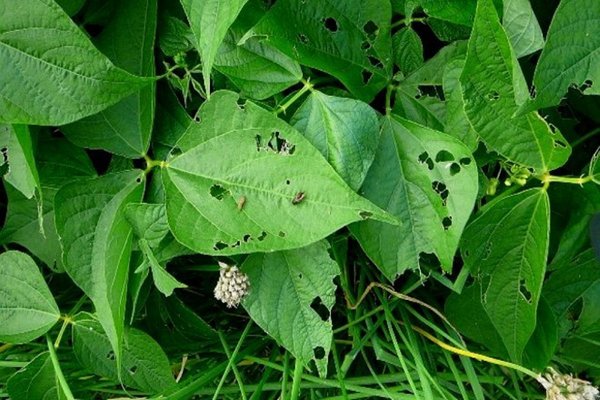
282, 108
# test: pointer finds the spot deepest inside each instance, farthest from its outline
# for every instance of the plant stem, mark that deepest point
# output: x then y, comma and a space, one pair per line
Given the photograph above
547, 179
388, 99
282, 108
585, 137
58, 371
232, 359
150, 164
297, 379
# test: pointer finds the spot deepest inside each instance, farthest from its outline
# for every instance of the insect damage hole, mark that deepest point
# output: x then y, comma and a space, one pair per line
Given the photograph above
465, 161
262, 236
444, 156
133, 370
331, 24
493, 95
218, 192
318, 307
220, 246
319, 352
441, 190
302, 38
454, 169
365, 214
370, 28
425, 159
524, 291
280, 145
447, 223
366, 76
375, 62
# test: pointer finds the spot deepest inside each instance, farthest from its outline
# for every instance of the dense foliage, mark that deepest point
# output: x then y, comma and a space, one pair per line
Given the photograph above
401, 196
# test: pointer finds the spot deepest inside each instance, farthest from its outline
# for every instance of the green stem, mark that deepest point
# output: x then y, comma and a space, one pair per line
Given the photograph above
585, 137
547, 179
282, 108
296, 380
408, 21
232, 359
236, 373
150, 164
58, 371
388, 99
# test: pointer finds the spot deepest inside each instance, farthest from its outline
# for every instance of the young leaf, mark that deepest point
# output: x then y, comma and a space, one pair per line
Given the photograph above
149, 222
432, 72
59, 162
424, 110
256, 67
171, 122
248, 182
35, 381
349, 40
124, 128
456, 12
522, 27
51, 72
210, 20
493, 88
96, 241
145, 366
429, 181
408, 50
27, 308
506, 247
291, 299
22, 172
571, 55
345, 131
164, 282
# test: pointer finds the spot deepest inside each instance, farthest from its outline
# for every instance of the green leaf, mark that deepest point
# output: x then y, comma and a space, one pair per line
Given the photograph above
349, 40
124, 128
345, 131
149, 222
164, 282
571, 55
457, 123
431, 73
411, 104
256, 67
493, 88
175, 37
408, 50
522, 27
35, 381
59, 162
291, 299
248, 182
51, 72
96, 241
542, 345
506, 247
171, 121
210, 20
27, 308
429, 181
594, 169
456, 12
145, 366
22, 172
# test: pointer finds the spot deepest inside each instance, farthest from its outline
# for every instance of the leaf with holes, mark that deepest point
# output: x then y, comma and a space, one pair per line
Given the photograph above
291, 299
429, 181
27, 308
35, 381
493, 88
506, 248
145, 366
210, 20
124, 128
344, 130
51, 72
256, 67
571, 56
17, 146
96, 241
349, 40
248, 182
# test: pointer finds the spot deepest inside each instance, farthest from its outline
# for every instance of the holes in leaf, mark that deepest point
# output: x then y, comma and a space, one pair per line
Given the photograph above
370, 28
280, 145
465, 161
258, 140
425, 159
175, 151
139, 180
300, 276
287, 181
444, 156
220, 246
375, 62
487, 251
454, 169
330, 24
493, 95
366, 76
365, 214
281, 234
553, 128
366, 45
133, 370
533, 92
262, 236
584, 86
319, 352
218, 192
441, 189
318, 306
559, 144
236, 244
302, 38
110, 356
524, 291
447, 222
246, 238
4, 151
241, 104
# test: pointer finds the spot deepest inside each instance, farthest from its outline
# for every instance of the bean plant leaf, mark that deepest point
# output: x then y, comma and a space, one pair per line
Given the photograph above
432, 71
493, 88
210, 20
247, 182
506, 248
35, 381
429, 181
124, 128
456, 12
571, 55
425, 110
256, 67
164, 282
27, 307
51, 72
18, 152
345, 131
149, 222
175, 37
291, 299
145, 366
59, 162
522, 27
408, 50
349, 40
96, 240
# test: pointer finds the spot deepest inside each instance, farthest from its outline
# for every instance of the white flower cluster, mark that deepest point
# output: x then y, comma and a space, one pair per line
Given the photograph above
565, 387
232, 286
